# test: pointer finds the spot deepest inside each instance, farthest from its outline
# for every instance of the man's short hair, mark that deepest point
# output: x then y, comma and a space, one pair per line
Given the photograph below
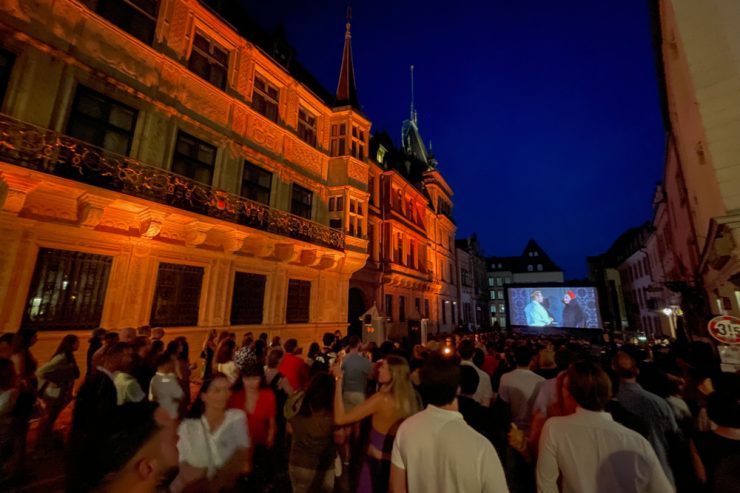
589, 385
522, 355
440, 378
469, 380
535, 293
624, 365
479, 357
354, 341
466, 349
328, 339
563, 358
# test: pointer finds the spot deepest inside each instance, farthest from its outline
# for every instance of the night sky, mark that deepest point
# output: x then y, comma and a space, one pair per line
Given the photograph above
544, 116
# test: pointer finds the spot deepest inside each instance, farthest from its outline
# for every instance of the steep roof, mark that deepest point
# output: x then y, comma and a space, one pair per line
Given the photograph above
346, 87
533, 254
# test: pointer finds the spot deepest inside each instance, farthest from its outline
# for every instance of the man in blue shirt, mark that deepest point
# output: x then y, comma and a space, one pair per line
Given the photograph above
536, 314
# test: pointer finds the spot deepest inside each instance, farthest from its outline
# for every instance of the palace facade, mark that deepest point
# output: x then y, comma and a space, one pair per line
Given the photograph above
162, 166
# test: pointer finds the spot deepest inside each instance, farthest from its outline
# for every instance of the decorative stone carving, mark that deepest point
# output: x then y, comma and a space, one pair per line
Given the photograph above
239, 121
90, 210
234, 241
309, 258
286, 252
13, 192
265, 134
150, 223
328, 261
303, 155
357, 171
196, 234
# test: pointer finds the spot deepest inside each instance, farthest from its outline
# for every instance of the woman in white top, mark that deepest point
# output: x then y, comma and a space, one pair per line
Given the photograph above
56, 381
214, 442
165, 387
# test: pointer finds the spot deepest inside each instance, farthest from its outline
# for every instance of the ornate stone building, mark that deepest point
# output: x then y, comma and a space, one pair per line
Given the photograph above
160, 165
410, 273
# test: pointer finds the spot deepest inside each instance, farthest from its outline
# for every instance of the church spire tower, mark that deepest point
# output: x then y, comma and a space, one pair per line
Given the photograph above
347, 89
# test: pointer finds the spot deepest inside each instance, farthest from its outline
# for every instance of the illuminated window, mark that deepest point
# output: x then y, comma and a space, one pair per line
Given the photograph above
209, 61
265, 98
102, 121
530, 268
299, 299
248, 299
307, 127
136, 17
539, 267
256, 183
355, 217
493, 308
194, 158
67, 290
338, 139
177, 296
301, 201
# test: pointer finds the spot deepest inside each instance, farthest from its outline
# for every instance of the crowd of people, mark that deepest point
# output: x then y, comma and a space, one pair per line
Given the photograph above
462, 413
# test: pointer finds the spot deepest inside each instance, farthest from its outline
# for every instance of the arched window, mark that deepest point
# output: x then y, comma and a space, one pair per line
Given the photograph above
539, 267
529, 268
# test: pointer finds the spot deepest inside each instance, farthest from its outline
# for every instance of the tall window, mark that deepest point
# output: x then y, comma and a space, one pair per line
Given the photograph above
355, 217
399, 248
300, 202
256, 183
444, 311
209, 61
136, 17
265, 98
426, 308
371, 189
6, 66
401, 308
299, 299
307, 127
193, 158
389, 306
358, 143
248, 299
177, 296
101, 121
67, 290
411, 259
339, 139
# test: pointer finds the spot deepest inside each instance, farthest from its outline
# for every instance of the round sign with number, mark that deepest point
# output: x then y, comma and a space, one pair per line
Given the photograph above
725, 329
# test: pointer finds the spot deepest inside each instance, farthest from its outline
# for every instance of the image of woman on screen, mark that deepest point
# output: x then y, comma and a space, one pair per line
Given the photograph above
573, 314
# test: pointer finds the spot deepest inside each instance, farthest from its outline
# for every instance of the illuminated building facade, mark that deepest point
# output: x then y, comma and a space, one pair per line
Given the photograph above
160, 167
411, 270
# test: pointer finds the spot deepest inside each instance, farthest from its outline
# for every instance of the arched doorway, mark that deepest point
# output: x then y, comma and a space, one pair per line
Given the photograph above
356, 307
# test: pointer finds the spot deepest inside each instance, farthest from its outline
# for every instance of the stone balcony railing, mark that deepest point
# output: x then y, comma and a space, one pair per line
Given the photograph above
44, 150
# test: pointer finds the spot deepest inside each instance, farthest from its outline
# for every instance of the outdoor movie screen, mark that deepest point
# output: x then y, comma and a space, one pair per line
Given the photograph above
570, 307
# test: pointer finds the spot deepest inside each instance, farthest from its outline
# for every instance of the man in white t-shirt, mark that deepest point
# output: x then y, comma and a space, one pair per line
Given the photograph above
589, 451
484, 391
519, 388
435, 451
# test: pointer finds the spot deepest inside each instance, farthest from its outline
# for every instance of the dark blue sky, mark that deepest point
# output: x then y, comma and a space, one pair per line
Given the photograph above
544, 116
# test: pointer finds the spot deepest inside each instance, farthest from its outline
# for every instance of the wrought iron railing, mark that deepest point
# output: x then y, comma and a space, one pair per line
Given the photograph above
44, 150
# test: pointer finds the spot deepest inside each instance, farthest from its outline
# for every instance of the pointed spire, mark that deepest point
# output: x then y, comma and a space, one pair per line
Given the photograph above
347, 89
413, 111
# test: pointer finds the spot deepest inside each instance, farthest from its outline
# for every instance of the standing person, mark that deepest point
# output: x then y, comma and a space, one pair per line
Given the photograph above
435, 450
25, 367
536, 313
213, 441
207, 352
57, 379
356, 370
484, 391
717, 452
165, 387
474, 414
109, 339
573, 314
519, 388
282, 390
652, 409
94, 343
225, 360
395, 400
251, 394
293, 367
183, 368
312, 450
588, 451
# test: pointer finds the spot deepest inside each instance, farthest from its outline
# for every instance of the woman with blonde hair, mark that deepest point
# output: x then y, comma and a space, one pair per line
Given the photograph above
395, 401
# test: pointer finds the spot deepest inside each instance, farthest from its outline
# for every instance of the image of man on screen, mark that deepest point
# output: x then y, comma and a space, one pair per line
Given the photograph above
573, 314
537, 315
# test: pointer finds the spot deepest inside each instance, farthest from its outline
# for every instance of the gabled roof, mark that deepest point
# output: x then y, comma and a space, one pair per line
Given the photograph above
533, 254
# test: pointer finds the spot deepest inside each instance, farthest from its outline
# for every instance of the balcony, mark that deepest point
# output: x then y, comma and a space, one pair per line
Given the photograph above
50, 152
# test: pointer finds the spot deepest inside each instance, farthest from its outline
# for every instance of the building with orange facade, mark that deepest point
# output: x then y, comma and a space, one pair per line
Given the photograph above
162, 166
410, 272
